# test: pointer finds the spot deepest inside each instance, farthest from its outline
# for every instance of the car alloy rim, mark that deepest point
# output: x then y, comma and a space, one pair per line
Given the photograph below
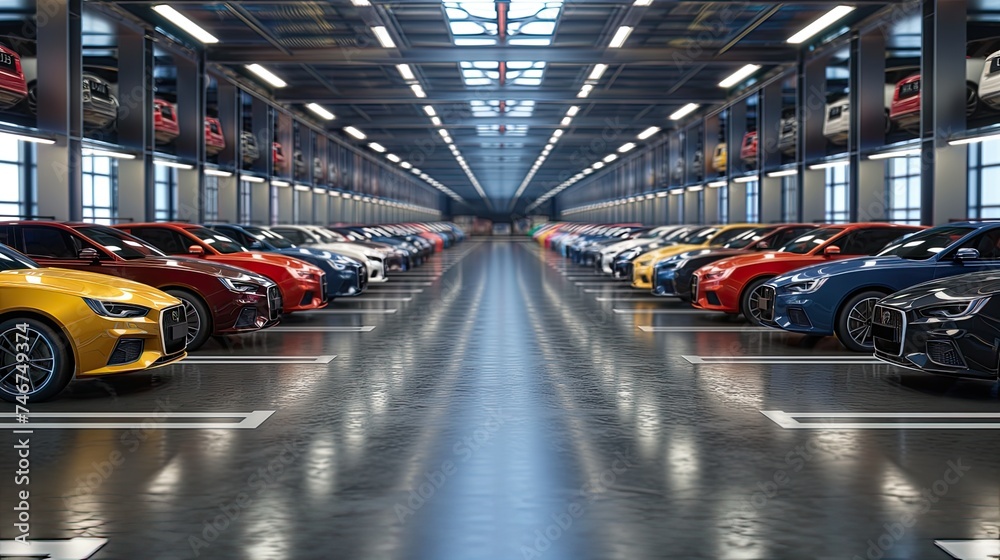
39, 358
193, 320
753, 303
859, 325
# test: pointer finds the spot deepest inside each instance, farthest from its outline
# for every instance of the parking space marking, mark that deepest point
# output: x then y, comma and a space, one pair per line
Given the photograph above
660, 311
405, 283
971, 549
651, 298
697, 328
605, 290
255, 360
601, 283
854, 360
287, 329
249, 420
789, 420
396, 291
77, 548
357, 311
366, 299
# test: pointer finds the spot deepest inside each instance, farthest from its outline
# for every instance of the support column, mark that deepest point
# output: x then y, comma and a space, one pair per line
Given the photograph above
737, 191
811, 147
136, 177
191, 142
228, 199
868, 198
768, 155
284, 204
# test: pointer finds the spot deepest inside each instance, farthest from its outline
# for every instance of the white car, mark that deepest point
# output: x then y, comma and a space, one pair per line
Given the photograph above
837, 121
314, 237
989, 81
606, 260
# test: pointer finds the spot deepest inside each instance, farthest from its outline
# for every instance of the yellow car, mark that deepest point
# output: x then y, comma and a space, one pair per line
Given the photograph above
699, 238
719, 158
58, 324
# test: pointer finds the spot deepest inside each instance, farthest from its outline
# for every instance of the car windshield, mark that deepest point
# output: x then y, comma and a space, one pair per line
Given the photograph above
120, 243
810, 240
328, 235
269, 237
924, 245
11, 260
216, 240
697, 236
744, 239
728, 235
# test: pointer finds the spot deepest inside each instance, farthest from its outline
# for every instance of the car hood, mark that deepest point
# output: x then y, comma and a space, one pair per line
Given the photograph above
318, 253
668, 251
866, 265
764, 258
88, 284
705, 254
947, 290
201, 267
275, 259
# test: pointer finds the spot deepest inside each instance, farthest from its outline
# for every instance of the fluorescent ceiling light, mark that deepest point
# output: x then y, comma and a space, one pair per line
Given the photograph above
588, 171
361, 2
746, 179
739, 75
683, 111
25, 138
716, 184
620, 36
384, 39
251, 179
436, 121
626, 147
184, 23
429, 109
279, 183
406, 72
266, 75
333, 193
406, 165
319, 110
585, 90
896, 154
443, 132
345, 195
648, 132
106, 153
610, 157
572, 111
829, 164
355, 132
662, 194
217, 173
377, 147
303, 188
642, 2
557, 133
974, 139
174, 164
783, 173
597, 165
418, 90
565, 121
597, 72
821, 23
393, 158
319, 190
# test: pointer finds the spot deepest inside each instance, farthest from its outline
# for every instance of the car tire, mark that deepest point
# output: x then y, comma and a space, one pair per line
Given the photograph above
199, 319
748, 300
971, 98
852, 328
46, 347
888, 122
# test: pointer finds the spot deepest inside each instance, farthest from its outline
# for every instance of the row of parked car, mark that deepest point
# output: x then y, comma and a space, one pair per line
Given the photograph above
83, 300
914, 296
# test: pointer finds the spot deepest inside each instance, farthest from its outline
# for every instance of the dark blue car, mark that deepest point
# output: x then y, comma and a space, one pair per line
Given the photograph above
345, 276
838, 297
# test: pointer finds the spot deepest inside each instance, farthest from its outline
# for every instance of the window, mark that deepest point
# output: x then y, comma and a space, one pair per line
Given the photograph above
753, 201
245, 201
723, 205
902, 185
52, 243
837, 195
166, 192
166, 240
867, 241
100, 189
211, 198
988, 245
984, 172
790, 198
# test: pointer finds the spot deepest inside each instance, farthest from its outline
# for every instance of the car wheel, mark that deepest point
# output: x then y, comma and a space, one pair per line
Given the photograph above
31, 348
971, 98
198, 318
853, 327
748, 301
888, 122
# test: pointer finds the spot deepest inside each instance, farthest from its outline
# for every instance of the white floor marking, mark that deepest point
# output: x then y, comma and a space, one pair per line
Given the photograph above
357, 311
366, 299
660, 311
695, 329
78, 548
256, 360
287, 329
971, 549
650, 298
862, 359
396, 291
601, 283
249, 420
605, 290
405, 283
789, 420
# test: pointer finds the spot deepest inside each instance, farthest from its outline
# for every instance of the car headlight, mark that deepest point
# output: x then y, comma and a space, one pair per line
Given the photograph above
116, 310
717, 275
954, 309
304, 274
242, 287
807, 287
337, 265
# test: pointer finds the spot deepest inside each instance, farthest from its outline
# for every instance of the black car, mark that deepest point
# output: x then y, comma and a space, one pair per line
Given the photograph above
948, 326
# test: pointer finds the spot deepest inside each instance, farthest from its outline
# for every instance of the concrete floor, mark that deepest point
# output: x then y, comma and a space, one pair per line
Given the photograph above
508, 405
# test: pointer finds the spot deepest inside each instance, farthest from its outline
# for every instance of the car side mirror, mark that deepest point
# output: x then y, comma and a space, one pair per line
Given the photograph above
196, 250
255, 246
89, 254
762, 245
967, 254
831, 250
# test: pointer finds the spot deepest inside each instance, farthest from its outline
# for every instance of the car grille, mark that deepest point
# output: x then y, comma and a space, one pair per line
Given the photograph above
173, 329
694, 288
944, 352
888, 326
322, 287
273, 303
362, 277
126, 351
765, 303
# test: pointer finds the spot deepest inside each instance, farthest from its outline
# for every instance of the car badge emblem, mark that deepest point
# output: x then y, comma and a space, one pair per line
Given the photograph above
885, 317
175, 315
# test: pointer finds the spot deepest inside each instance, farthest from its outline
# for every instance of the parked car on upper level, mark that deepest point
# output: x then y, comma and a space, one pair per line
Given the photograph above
748, 150
837, 120
248, 145
215, 142
13, 86
165, 126
720, 157
905, 110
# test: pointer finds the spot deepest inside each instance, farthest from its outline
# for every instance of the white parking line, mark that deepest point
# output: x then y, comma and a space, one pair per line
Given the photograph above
651, 298
77, 548
781, 360
605, 290
249, 420
660, 311
602, 283
971, 549
397, 291
287, 329
695, 329
404, 283
256, 360
367, 299
788, 420
356, 311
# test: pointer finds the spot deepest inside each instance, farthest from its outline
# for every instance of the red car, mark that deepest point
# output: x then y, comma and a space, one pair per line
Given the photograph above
302, 285
729, 285
215, 142
13, 86
748, 150
277, 155
218, 299
165, 121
